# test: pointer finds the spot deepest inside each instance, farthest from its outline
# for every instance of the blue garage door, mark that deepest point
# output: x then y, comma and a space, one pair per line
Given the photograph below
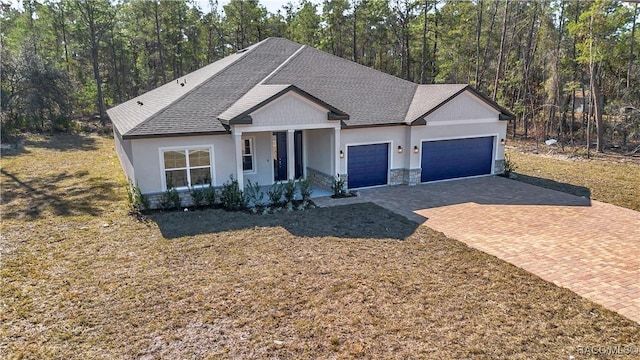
450, 159
367, 165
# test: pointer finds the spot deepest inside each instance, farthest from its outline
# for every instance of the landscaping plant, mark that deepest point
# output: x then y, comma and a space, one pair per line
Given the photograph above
197, 196
289, 191
338, 186
275, 193
170, 198
232, 197
305, 190
253, 196
209, 195
137, 201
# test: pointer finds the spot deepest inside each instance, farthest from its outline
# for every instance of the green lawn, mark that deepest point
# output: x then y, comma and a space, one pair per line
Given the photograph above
82, 279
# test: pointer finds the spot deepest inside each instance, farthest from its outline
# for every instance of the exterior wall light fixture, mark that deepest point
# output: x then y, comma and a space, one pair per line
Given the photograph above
341, 154
400, 149
415, 149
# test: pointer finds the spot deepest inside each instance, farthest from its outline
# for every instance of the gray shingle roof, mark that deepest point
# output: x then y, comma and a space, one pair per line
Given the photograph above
429, 97
227, 88
370, 97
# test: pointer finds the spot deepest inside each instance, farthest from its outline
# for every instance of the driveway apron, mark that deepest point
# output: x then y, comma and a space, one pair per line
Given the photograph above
587, 246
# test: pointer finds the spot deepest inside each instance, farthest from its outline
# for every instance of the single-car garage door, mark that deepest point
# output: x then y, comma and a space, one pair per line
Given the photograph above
450, 159
367, 165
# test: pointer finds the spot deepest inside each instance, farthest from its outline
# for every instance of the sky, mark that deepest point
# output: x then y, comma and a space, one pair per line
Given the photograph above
272, 5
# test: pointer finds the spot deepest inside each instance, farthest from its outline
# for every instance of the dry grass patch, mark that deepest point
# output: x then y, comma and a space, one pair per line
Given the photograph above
613, 182
346, 282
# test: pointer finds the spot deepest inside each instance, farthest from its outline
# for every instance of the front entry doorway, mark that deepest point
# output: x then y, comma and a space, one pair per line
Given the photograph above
280, 160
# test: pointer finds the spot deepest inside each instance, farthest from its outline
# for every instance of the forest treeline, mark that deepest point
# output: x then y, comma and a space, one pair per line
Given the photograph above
568, 69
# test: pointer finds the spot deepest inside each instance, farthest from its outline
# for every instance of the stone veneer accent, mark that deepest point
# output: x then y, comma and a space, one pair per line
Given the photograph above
320, 179
398, 176
499, 167
405, 177
155, 199
414, 176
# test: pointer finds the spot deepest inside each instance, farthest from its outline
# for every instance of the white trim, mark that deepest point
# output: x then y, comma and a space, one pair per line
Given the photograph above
389, 159
252, 147
240, 129
459, 122
212, 170
494, 149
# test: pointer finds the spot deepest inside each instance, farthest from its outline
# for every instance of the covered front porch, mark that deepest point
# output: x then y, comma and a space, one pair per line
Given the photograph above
271, 155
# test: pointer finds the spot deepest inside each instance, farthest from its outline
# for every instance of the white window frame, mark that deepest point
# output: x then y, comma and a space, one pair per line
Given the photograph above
186, 149
252, 148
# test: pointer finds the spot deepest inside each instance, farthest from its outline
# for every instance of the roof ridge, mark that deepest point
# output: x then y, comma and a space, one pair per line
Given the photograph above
284, 63
363, 66
242, 53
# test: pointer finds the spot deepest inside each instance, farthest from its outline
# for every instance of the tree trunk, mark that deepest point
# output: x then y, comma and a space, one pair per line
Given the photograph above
631, 54
556, 76
478, 33
597, 108
64, 37
434, 54
354, 43
487, 45
161, 57
96, 68
501, 52
423, 60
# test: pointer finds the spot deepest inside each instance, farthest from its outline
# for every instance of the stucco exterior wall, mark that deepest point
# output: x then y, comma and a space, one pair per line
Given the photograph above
290, 109
394, 135
319, 146
125, 155
263, 160
147, 161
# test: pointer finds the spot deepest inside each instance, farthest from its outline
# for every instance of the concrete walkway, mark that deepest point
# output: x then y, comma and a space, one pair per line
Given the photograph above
587, 246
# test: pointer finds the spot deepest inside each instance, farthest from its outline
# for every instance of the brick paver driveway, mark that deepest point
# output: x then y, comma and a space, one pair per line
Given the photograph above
590, 247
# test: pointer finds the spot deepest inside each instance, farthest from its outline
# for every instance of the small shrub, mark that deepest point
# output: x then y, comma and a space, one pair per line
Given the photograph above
197, 196
289, 191
232, 197
275, 193
305, 190
254, 196
209, 195
137, 201
509, 165
170, 199
338, 187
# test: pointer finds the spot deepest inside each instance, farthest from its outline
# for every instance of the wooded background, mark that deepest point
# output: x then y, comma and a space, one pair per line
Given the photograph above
64, 61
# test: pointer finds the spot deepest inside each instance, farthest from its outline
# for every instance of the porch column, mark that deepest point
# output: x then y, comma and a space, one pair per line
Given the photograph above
291, 155
336, 152
237, 142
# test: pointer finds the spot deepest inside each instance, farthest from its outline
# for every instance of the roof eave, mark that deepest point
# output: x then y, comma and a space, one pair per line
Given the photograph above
245, 117
155, 136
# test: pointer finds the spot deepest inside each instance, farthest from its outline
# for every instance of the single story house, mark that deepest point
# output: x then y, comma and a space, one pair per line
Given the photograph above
280, 110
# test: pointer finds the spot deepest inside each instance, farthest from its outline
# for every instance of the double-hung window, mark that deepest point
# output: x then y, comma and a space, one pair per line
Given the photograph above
187, 167
248, 164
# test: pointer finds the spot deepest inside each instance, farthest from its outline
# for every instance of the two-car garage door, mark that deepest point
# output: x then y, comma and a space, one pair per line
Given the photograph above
368, 165
456, 158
